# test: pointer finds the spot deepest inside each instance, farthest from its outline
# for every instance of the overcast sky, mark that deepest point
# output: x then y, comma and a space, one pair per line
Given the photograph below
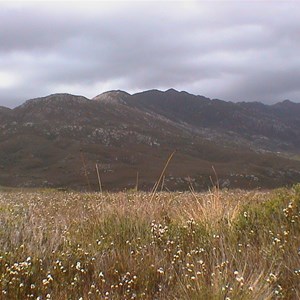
231, 50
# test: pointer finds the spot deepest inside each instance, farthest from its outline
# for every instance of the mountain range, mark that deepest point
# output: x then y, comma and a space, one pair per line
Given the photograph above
57, 140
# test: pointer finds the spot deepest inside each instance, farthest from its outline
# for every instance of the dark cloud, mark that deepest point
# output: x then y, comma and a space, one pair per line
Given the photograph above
244, 50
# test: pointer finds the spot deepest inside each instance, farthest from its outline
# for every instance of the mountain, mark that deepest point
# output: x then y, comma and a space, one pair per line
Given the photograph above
56, 141
253, 121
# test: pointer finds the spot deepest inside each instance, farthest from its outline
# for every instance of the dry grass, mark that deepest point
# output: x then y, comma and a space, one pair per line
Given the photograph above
216, 245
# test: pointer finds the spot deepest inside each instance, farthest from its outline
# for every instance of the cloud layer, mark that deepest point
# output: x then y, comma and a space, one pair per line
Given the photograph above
238, 51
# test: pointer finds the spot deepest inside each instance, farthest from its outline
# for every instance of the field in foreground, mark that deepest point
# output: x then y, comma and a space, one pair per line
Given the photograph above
215, 245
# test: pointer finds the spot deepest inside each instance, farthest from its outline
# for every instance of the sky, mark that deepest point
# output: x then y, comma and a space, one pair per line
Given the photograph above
230, 50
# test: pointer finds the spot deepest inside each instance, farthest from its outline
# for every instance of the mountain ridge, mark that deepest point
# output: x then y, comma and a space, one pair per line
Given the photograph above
172, 90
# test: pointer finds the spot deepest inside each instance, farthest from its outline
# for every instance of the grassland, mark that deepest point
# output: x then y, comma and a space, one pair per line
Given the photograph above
215, 245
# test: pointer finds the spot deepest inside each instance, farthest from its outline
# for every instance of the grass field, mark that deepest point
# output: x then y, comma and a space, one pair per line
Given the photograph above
215, 245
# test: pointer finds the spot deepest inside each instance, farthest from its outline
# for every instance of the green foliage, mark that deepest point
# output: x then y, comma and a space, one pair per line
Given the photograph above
123, 230
258, 221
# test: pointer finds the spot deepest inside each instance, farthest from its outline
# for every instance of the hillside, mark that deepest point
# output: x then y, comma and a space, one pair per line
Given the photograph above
55, 141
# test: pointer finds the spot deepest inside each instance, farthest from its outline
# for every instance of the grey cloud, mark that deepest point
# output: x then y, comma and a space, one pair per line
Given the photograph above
229, 50
271, 85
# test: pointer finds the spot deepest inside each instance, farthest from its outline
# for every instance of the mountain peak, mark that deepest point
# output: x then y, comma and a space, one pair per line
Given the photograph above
59, 97
114, 96
5, 109
286, 104
52, 103
171, 90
